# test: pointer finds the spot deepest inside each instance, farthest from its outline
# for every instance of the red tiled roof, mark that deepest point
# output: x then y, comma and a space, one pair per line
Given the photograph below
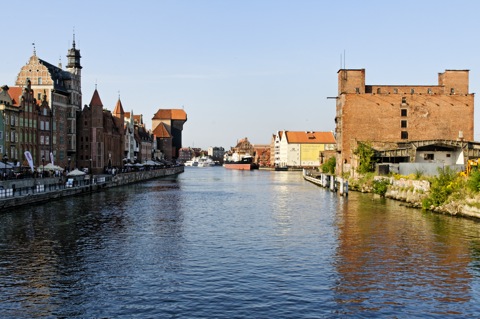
118, 108
15, 92
161, 131
96, 101
310, 137
170, 114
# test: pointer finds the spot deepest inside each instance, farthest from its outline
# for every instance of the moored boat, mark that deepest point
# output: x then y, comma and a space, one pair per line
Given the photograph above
246, 163
192, 162
206, 162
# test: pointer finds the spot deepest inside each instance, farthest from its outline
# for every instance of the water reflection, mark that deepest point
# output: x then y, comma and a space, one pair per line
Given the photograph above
391, 257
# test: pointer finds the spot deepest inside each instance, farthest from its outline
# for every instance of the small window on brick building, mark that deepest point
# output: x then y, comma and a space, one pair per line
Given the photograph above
357, 90
403, 112
395, 90
403, 124
404, 100
452, 91
404, 135
428, 156
379, 91
412, 91
448, 155
429, 91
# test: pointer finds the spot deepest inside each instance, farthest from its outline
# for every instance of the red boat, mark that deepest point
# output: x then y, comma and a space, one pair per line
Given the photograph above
245, 163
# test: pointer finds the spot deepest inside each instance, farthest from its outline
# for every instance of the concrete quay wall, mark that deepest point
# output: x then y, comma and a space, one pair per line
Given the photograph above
33, 191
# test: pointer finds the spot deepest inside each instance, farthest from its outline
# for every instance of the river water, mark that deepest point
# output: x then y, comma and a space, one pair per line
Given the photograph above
217, 243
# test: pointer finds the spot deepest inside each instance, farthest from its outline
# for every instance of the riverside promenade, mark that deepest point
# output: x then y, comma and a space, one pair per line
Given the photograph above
21, 192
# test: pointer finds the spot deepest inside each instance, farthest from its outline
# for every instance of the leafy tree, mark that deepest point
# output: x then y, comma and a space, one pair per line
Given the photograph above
329, 165
365, 153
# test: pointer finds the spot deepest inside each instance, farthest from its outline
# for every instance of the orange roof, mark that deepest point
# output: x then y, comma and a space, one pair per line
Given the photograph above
170, 114
161, 131
118, 108
137, 118
310, 137
15, 93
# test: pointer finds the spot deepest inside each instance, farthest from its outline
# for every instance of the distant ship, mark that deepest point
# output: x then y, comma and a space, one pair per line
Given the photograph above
205, 162
192, 162
246, 163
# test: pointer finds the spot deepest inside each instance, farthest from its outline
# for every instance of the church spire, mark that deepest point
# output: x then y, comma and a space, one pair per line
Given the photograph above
73, 45
118, 108
73, 56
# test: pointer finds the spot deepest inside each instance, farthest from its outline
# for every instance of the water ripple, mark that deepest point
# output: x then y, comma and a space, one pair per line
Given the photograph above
216, 243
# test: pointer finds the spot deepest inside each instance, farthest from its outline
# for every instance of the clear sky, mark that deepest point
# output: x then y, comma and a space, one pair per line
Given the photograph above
242, 68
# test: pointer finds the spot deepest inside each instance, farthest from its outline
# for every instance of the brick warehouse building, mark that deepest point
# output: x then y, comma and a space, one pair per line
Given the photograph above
400, 113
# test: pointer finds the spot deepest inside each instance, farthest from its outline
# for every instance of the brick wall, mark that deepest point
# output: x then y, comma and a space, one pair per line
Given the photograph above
422, 114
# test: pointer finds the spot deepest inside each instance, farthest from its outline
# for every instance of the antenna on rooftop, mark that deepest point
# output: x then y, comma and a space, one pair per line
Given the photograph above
344, 65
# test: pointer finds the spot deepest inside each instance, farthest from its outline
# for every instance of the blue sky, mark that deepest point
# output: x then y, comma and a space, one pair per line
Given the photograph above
242, 68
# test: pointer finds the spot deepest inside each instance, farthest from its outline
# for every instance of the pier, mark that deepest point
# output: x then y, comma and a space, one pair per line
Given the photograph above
332, 182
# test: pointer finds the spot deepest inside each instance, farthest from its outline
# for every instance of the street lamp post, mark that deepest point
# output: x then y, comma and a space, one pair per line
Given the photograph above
69, 160
90, 171
4, 160
43, 165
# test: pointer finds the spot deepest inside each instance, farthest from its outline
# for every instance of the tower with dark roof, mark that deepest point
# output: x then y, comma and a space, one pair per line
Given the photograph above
74, 57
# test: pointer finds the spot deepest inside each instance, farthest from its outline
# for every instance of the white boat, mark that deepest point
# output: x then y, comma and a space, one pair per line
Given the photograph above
191, 163
205, 162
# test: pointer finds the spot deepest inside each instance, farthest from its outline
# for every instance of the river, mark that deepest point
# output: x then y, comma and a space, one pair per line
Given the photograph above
217, 243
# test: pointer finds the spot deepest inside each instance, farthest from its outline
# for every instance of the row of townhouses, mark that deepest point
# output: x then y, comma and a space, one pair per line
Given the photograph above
43, 114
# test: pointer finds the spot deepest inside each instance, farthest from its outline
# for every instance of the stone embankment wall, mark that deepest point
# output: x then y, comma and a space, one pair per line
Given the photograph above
410, 191
414, 191
48, 189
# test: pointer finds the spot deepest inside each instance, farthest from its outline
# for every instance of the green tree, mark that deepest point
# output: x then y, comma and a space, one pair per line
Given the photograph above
329, 165
365, 153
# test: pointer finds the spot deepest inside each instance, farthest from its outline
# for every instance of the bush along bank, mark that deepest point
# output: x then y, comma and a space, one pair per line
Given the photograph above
447, 193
